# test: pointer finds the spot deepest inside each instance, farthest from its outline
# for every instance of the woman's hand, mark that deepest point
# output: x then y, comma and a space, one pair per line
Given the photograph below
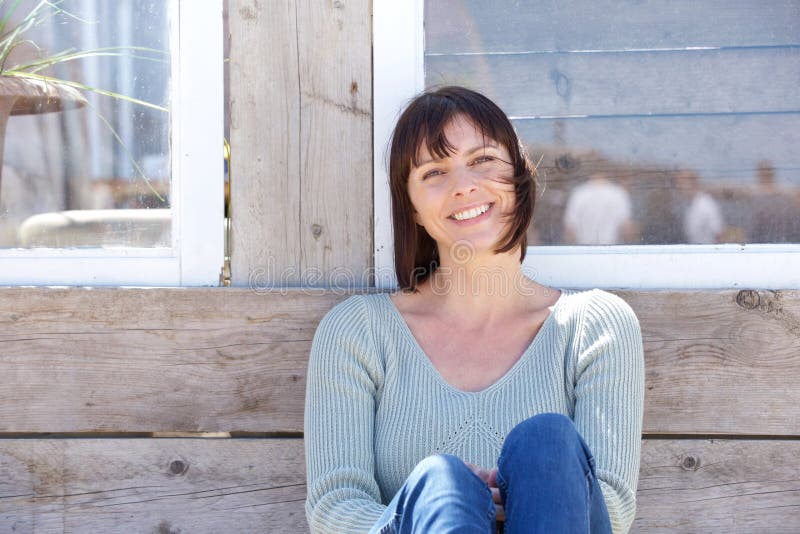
490, 478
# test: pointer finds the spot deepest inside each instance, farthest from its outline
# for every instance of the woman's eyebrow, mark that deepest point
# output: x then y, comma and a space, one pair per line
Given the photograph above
468, 152
482, 147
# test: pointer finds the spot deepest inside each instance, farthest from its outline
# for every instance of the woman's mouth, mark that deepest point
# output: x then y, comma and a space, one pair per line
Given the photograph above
472, 216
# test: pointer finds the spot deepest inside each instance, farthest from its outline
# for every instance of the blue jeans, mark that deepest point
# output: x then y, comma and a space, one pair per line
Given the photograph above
547, 483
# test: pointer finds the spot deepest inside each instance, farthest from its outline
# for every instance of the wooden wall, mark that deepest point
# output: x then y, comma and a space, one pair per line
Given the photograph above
180, 410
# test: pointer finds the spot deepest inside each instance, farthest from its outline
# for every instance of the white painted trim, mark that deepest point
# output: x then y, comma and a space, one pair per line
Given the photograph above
398, 75
197, 253
89, 270
398, 59
666, 266
198, 126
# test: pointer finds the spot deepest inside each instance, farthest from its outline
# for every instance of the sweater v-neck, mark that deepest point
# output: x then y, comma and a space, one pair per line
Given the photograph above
432, 369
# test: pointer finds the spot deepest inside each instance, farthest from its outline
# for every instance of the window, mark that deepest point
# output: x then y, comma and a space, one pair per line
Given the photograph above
117, 193
666, 158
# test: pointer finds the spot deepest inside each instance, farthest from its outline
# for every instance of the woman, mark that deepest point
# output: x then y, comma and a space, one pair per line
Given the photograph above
474, 394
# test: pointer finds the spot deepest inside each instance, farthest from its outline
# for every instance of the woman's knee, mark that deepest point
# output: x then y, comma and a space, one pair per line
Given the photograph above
548, 427
441, 468
445, 480
544, 440
442, 494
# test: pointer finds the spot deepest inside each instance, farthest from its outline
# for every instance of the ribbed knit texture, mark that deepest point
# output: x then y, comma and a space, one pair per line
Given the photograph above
376, 406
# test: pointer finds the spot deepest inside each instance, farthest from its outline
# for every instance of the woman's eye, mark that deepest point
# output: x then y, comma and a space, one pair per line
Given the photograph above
482, 159
431, 174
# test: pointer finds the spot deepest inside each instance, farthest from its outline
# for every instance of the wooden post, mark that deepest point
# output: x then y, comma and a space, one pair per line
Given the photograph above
301, 138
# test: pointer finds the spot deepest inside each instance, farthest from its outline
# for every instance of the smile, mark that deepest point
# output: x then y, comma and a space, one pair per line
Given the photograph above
471, 213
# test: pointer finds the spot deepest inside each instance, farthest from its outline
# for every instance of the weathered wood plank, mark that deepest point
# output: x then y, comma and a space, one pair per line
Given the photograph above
301, 132
717, 362
265, 139
147, 360
477, 25
258, 485
152, 485
719, 486
155, 360
335, 40
629, 83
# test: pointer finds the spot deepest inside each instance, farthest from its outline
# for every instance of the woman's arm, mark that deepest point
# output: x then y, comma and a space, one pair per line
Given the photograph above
344, 372
609, 399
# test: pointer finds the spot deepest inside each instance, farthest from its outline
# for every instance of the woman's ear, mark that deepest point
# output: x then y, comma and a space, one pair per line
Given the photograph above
416, 218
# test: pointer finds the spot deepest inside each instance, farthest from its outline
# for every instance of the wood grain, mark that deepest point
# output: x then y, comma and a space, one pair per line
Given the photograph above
719, 486
152, 485
115, 360
335, 40
258, 485
233, 360
717, 362
301, 132
265, 139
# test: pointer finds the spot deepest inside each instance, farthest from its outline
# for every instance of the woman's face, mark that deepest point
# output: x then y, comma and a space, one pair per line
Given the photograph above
461, 197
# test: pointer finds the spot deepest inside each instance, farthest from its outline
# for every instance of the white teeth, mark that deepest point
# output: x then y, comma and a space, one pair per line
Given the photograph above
470, 214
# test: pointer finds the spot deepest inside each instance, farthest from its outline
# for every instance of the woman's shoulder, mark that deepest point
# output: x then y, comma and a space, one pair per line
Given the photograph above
356, 312
345, 317
599, 305
345, 332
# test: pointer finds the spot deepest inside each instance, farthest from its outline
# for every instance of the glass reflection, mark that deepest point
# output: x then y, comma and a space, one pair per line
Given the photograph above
96, 174
643, 136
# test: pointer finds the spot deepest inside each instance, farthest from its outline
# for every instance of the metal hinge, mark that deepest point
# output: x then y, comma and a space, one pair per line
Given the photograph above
225, 272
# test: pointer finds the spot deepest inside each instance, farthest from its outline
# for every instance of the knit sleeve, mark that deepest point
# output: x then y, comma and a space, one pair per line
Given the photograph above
344, 374
609, 399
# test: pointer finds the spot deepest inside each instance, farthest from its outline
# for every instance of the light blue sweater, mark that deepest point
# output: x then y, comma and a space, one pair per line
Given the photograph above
376, 405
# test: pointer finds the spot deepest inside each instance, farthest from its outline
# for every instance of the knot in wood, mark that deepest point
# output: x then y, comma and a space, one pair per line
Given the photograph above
690, 463
748, 299
316, 230
178, 467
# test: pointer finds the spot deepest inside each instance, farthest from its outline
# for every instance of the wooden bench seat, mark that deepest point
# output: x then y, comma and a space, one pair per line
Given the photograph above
180, 410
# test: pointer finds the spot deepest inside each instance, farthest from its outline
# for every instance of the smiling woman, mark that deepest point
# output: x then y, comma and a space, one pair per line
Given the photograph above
529, 397
455, 137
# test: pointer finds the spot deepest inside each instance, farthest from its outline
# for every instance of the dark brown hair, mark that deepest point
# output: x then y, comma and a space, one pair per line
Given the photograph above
424, 121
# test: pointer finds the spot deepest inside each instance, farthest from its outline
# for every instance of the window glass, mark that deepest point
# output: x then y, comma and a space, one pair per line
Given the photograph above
97, 172
651, 122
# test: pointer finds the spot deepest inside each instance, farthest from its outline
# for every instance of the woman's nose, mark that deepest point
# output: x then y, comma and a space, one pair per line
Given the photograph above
465, 181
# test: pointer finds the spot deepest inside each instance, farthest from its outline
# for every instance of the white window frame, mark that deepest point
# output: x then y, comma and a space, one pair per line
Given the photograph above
196, 255
398, 58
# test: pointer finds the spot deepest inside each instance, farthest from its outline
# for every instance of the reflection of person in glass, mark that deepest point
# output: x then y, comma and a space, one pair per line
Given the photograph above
775, 215
598, 212
453, 403
702, 218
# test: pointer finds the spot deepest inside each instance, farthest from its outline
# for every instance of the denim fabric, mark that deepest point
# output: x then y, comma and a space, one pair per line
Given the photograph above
547, 482
441, 495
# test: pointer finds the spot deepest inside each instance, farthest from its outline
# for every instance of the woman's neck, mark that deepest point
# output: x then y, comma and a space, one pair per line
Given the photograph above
482, 291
